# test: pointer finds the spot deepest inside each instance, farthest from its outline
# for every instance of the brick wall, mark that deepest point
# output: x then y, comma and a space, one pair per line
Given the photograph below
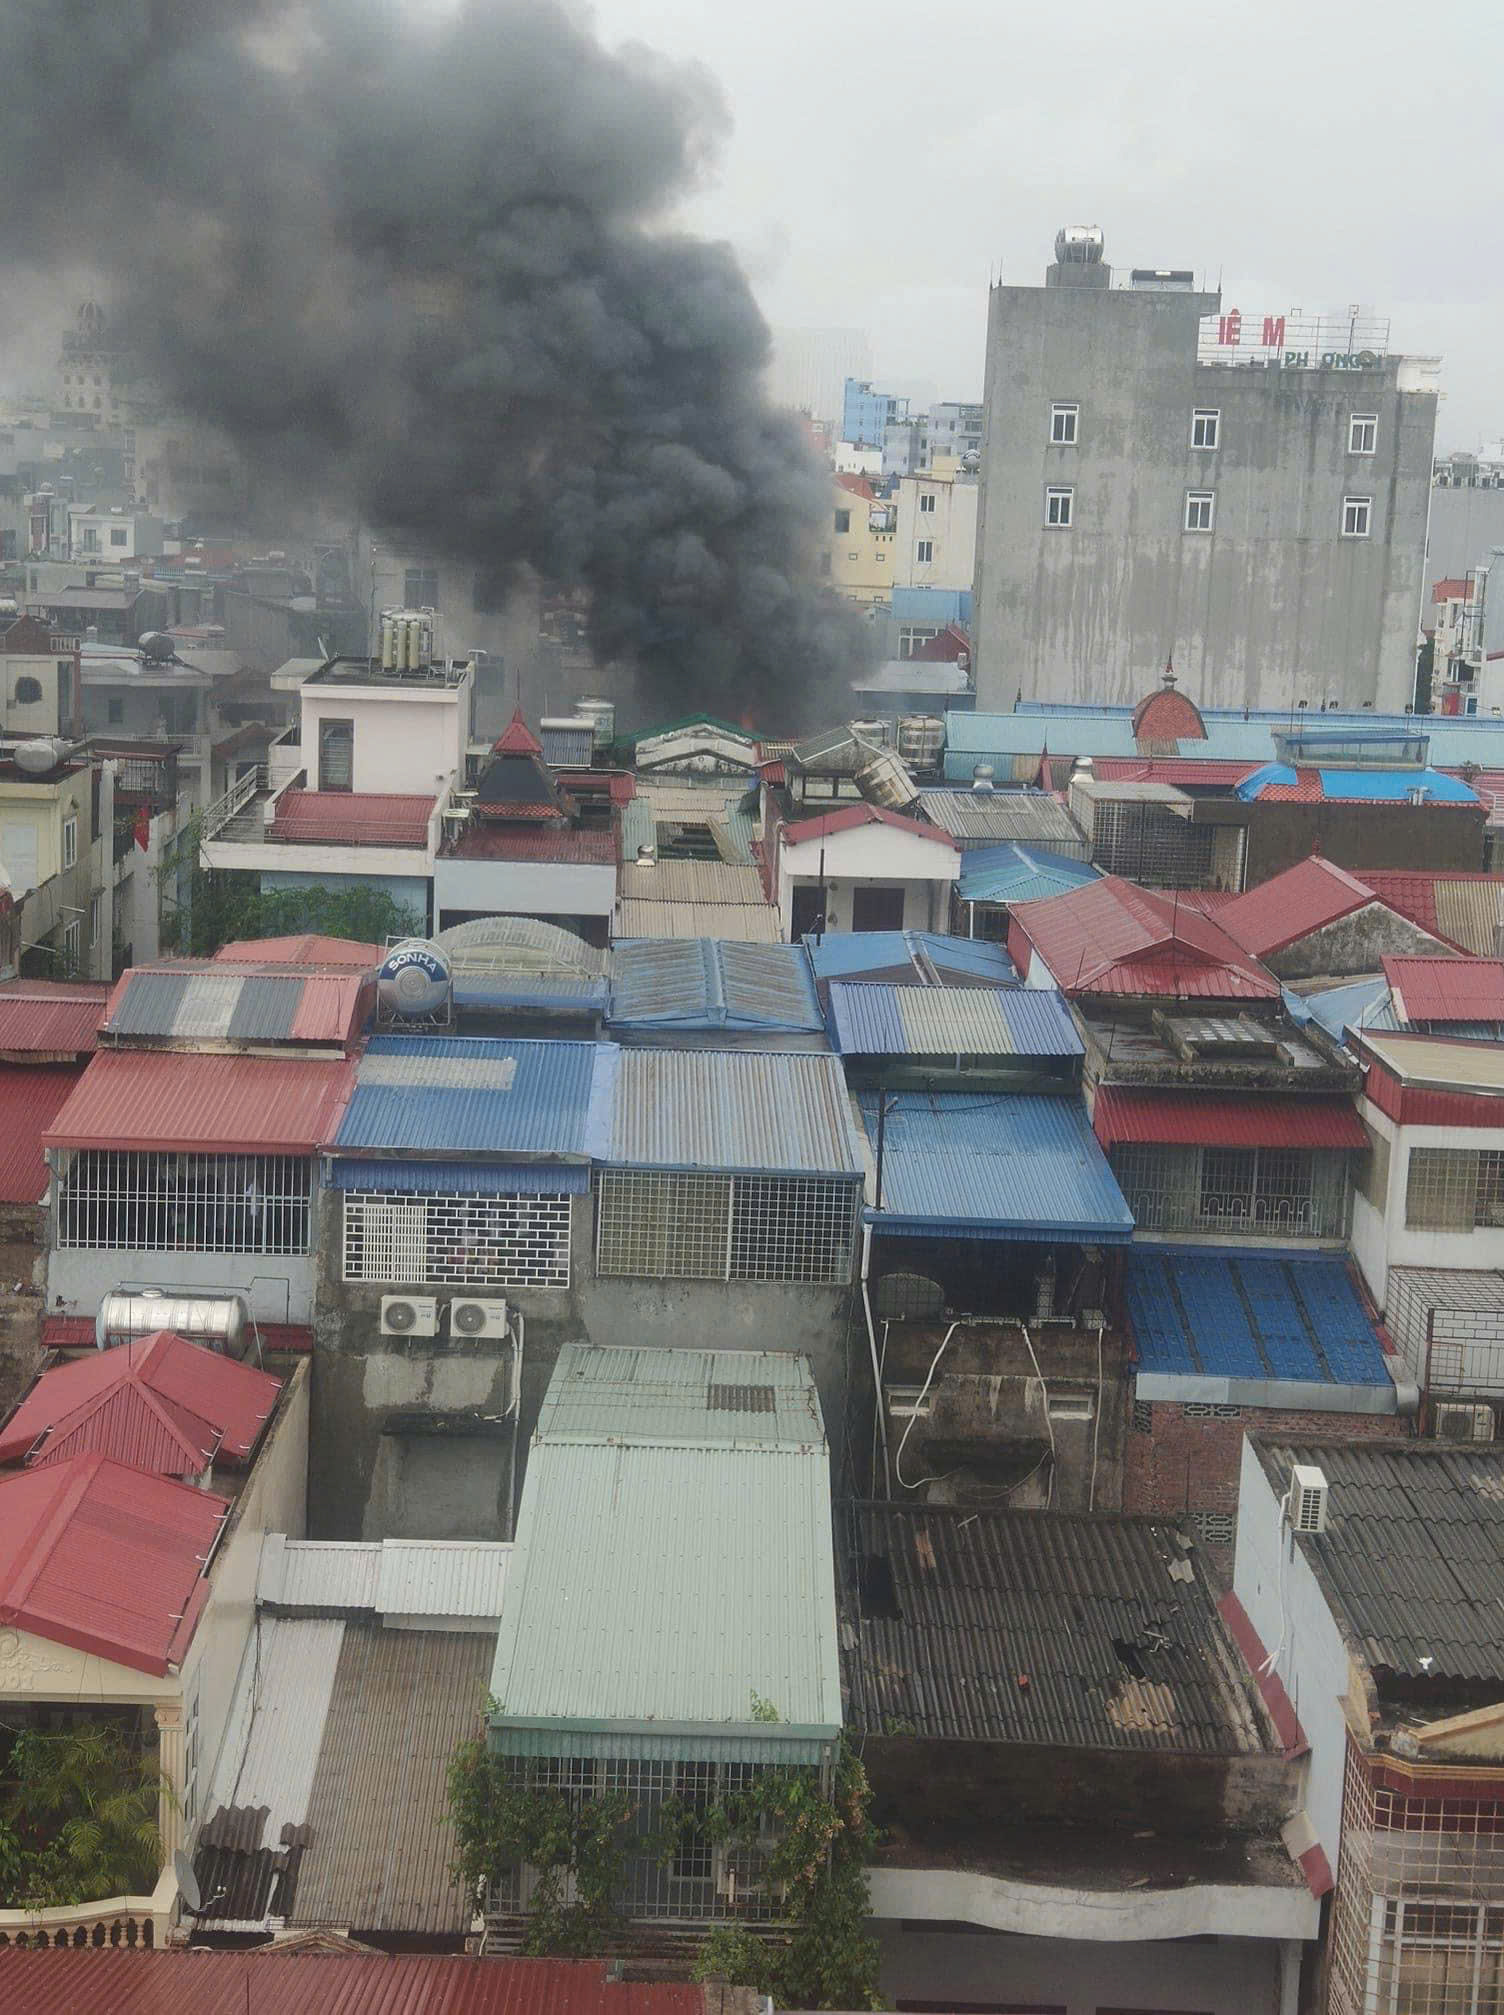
1184, 1455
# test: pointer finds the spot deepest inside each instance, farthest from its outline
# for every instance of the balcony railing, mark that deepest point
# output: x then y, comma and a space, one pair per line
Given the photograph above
142, 1922
1235, 1214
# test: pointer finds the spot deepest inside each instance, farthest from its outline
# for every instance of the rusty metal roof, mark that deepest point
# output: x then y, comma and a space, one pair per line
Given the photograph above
1036, 1627
218, 1104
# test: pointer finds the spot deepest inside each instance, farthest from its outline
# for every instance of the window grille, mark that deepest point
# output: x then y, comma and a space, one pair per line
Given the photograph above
1454, 1189
457, 1241
1252, 1192
720, 1227
1214, 1528
146, 1202
1143, 1416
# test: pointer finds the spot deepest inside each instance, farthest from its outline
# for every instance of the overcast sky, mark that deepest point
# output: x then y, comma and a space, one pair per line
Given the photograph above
886, 159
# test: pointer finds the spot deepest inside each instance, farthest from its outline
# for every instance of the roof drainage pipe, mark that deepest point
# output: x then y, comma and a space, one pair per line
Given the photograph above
877, 1376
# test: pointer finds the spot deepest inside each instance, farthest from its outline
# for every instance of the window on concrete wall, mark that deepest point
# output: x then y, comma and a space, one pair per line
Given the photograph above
1454, 1189
457, 1241
73, 945
1363, 433
336, 755
1356, 514
927, 501
1442, 1958
70, 841
1065, 420
1206, 425
924, 552
132, 1201
115, 712
118, 537
420, 587
654, 1224
28, 691
843, 521
1199, 508
1058, 506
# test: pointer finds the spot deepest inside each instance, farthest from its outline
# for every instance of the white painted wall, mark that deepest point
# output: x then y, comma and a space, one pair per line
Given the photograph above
279, 1285
1284, 1602
880, 855
1383, 1239
949, 525
407, 739
525, 888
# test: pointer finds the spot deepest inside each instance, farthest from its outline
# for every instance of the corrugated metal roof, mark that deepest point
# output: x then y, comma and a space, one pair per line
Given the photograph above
936, 959
38, 1018
109, 1982
982, 819
456, 1579
705, 983
184, 1101
1363, 1004
877, 1019
1117, 1654
1226, 1119
1111, 937
665, 1584
664, 1398
1289, 906
457, 1095
279, 1713
352, 818
1469, 913
717, 882
1446, 990
159, 1402
211, 1002
31, 1097
1015, 874
1003, 1165
381, 1844
104, 1557
1412, 1558
732, 1109
1279, 781
851, 818
746, 923
462, 1178
1253, 1317
306, 948
1438, 1062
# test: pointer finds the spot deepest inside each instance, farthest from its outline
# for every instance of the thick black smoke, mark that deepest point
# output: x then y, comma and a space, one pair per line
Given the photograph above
420, 267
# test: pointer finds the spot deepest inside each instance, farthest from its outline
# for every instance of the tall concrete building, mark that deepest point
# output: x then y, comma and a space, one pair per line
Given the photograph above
1244, 493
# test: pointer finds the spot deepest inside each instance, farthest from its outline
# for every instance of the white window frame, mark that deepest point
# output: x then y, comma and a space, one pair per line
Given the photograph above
924, 552
1065, 423
1206, 428
70, 840
1200, 511
927, 501
1361, 426
1357, 517
94, 909
1059, 506
73, 943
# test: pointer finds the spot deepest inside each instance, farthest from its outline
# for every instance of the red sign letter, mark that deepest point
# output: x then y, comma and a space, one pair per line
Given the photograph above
1274, 332
1230, 327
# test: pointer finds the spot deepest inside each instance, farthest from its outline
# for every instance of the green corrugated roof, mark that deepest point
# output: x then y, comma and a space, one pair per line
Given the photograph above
673, 1558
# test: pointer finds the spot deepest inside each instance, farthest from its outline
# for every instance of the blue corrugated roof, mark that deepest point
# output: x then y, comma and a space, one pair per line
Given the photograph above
1251, 1317
876, 1018
846, 954
463, 1178
1015, 874
497, 991
1382, 787
459, 1095
707, 983
1363, 1004
969, 1165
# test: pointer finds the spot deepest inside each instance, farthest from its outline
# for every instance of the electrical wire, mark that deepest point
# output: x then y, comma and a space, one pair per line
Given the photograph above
909, 1428
1279, 1587
1049, 1423
1096, 1427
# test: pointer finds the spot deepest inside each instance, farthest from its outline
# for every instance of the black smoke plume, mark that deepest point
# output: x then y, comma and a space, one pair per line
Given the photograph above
420, 266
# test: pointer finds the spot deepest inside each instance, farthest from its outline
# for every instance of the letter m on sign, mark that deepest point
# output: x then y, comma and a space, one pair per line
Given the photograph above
1274, 332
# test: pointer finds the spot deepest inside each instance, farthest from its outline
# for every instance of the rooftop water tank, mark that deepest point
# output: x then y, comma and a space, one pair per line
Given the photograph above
1079, 245
220, 1322
413, 980
41, 754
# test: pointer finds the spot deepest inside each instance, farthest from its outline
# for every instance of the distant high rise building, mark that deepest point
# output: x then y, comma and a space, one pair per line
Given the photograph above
810, 368
866, 415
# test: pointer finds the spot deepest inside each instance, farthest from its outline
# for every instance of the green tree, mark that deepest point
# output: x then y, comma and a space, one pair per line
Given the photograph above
80, 1817
219, 906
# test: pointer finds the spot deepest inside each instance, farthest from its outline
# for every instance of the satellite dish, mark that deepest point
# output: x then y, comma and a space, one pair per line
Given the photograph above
188, 1887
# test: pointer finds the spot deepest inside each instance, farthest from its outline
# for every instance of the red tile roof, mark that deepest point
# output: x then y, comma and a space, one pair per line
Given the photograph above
851, 816
1412, 893
1208, 771
1449, 591
858, 486
159, 1403
483, 842
1111, 937
49, 1017
1166, 715
31, 1097
1441, 989
105, 1982
187, 1101
517, 739
308, 949
1291, 905
1225, 1119
106, 1558
352, 819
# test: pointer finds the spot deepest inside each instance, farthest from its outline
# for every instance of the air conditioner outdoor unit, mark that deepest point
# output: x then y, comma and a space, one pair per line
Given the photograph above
409, 1315
1459, 1422
477, 1319
1308, 1492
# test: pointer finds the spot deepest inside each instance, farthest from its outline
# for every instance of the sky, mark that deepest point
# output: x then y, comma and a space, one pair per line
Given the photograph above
884, 162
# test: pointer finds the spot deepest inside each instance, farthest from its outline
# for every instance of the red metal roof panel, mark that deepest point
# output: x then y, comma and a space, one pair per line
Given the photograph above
501, 842
42, 1018
307, 949
183, 1101
1448, 990
1111, 937
851, 816
106, 1982
106, 1558
352, 818
1289, 906
31, 1097
1224, 1119
1207, 771
205, 1403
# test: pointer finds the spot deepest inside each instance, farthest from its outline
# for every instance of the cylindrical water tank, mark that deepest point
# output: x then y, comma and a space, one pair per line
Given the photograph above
413, 979
221, 1322
921, 740
602, 714
40, 755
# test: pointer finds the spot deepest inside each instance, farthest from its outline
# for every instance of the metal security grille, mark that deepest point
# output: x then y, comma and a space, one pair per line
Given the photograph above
1251, 1192
1454, 1189
719, 1227
143, 1202
457, 1241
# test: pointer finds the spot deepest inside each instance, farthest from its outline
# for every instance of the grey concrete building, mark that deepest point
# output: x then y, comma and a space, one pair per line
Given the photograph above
1163, 479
